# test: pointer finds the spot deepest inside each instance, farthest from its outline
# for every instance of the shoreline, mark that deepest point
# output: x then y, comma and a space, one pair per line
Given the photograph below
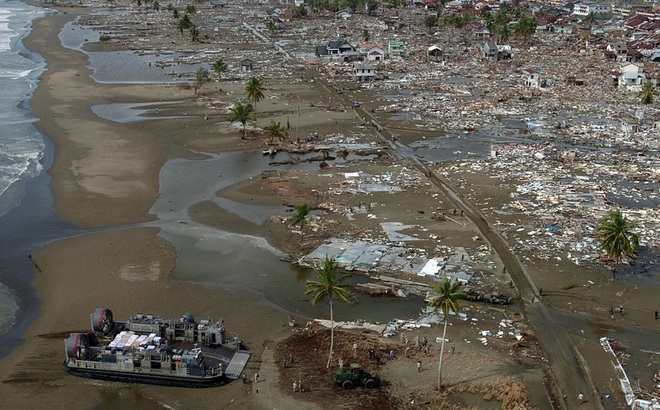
85, 271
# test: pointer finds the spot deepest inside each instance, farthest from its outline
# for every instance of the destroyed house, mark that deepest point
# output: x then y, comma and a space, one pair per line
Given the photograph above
435, 51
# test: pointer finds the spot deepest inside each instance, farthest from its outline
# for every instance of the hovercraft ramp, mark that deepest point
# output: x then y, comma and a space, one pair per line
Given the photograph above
237, 364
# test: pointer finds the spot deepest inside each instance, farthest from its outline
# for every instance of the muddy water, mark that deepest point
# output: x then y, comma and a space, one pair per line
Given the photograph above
218, 258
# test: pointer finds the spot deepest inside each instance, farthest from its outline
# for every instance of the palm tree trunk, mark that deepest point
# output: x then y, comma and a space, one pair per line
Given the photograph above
302, 237
442, 351
332, 334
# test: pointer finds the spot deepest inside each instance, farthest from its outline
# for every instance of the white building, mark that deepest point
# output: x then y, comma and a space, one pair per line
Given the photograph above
584, 9
363, 71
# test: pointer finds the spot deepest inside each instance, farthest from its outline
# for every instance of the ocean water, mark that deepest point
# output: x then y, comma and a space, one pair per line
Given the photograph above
21, 144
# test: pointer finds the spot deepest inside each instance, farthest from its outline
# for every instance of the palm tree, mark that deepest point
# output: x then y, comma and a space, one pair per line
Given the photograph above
194, 34
447, 300
617, 238
272, 28
201, 76
328, 285
219, 67
254, 91
275, 130
300, 217
647, 93
591, 18
365, 35
184, 23
242, 113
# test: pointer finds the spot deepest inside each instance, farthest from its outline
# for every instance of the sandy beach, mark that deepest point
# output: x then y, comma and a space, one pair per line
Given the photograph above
106, 178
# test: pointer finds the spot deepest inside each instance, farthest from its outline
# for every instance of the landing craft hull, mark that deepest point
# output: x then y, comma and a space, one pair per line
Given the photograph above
142, 378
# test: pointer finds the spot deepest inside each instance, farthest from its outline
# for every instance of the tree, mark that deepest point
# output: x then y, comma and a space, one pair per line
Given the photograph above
365, 35
647, 93
275, 130
190, 9
525, 27
219, 67
591, 18
184, 23
431, 21
371, 7
254, 91
617, 238
242, 113
272, 28
328, 285
194, 35
301, 11
300, 217
201, 76
446, 301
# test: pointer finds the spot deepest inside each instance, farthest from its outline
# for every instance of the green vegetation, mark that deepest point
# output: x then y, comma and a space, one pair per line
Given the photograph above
431, 21
201, 77
254, 89
329, 285
219, 67
275, 130
300, 217
525, 27
647, 92
617, 239
242, 113
447, 300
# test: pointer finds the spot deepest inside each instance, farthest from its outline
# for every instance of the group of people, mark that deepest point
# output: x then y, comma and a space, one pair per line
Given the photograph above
245, 378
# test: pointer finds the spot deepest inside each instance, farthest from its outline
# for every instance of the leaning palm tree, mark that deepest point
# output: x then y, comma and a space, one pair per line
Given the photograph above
242, 113
617, 238
275, 130
328, 285
447, 300
201, 76
254, 90
219, 67
647, 93
300, 217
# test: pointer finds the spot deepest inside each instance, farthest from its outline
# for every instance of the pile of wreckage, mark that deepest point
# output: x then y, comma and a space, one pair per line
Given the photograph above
568, 192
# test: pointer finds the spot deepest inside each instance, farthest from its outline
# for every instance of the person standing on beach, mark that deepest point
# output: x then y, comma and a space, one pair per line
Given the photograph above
611, 312
419, 366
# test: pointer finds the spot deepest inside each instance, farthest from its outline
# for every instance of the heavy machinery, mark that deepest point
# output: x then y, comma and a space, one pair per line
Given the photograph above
353, 376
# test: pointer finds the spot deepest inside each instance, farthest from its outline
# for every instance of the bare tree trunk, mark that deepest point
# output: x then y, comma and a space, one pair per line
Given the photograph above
332, 334
442, 351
